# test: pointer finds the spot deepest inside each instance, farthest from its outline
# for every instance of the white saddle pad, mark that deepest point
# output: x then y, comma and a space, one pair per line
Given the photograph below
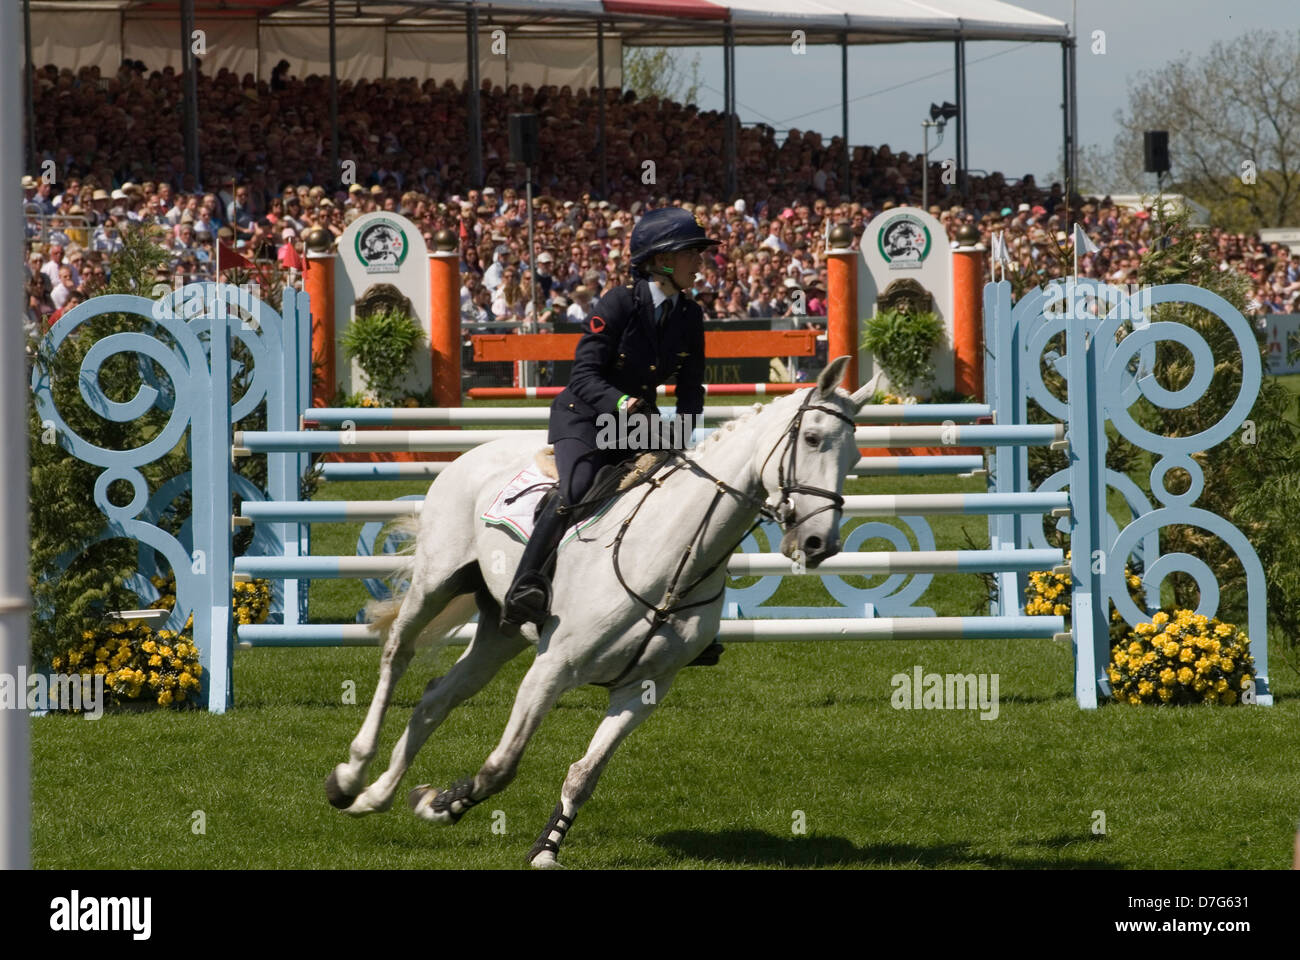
516, 516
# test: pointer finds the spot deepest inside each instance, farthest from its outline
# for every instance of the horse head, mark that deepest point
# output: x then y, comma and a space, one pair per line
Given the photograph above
803, 470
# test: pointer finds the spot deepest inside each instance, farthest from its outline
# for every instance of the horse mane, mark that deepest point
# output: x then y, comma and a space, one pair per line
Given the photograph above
726, 428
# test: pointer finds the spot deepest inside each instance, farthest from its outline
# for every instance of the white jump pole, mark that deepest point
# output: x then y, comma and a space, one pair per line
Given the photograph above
15, 760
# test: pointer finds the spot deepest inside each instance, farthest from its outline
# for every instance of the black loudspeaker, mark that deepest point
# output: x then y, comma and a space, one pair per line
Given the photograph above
1155, 151
523, 138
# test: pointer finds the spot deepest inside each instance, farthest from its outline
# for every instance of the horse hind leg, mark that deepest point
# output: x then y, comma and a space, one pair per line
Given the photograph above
429, 601
487, 653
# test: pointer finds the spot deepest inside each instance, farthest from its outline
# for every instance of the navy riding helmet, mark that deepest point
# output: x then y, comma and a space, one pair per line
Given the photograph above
666, 230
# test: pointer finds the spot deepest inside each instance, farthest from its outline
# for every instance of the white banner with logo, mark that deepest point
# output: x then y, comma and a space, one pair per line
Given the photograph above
906, 243
382, 248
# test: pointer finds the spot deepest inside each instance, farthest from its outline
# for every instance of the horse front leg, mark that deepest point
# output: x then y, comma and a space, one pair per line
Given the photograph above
547, 678
629, 705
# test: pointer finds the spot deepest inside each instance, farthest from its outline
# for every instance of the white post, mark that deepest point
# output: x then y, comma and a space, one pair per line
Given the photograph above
15, 763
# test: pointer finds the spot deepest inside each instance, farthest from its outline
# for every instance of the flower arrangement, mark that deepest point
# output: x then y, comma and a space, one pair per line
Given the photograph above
1186, 658
141, 664
136, 662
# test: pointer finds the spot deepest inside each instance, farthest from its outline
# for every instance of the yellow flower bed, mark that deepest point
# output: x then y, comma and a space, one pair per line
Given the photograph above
1186, 658
139, 663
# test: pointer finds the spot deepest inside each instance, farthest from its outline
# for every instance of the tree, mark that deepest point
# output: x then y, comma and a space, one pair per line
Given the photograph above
1233, 118
657, 72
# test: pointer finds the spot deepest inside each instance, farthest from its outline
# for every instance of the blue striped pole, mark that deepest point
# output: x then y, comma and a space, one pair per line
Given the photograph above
934, 504
326, 511
865, 467
539, 416
371, 441
876, 505
434, 441
738, 565
729, 631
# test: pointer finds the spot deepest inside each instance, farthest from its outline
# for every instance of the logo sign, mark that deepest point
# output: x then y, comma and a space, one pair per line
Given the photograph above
904, 242
381, 246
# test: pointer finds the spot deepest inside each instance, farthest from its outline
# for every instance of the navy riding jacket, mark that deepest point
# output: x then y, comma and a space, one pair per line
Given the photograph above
622, 352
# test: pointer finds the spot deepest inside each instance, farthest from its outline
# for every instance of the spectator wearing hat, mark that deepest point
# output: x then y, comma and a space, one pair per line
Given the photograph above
98, 210
545, 279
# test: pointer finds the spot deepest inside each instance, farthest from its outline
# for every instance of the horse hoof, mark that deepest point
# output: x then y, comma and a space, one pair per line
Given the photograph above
421, 802
546, 861
335, 794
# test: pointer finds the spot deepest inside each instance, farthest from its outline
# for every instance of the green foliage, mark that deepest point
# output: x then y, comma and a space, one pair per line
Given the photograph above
382, 343
901, 343
63, 521
656, 72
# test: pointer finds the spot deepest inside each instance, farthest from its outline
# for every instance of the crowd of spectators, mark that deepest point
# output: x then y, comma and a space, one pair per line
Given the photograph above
116, 146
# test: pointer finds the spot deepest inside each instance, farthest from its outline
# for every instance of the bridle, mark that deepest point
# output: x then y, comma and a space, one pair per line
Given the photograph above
783, 514
784, 509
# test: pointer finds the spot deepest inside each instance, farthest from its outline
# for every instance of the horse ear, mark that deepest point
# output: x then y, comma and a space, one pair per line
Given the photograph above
863, 393
830, 378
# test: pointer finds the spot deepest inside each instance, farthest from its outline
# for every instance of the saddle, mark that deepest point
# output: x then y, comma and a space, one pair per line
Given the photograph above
611, 480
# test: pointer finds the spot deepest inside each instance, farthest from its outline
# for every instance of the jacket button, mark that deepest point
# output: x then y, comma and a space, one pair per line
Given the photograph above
652, 368
570, 406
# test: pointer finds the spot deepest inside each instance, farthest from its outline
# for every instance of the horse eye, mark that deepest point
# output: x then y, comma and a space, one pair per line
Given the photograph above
812, 439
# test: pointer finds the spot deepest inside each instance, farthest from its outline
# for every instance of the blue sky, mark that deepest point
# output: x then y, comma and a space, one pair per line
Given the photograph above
1015, 89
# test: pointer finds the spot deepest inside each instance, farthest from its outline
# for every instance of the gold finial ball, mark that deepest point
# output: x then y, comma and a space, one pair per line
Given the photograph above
968, 235
444, 241
841, 236
319, 240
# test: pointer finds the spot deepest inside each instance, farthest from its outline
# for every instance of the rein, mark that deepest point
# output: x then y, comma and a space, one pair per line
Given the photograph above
783, 515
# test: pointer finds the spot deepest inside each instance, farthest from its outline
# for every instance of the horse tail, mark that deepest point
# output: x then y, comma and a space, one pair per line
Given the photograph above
381, 614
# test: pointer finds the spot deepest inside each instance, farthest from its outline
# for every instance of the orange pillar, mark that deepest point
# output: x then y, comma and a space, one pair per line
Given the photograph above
842, 302
444, 314
318, 281
968, 319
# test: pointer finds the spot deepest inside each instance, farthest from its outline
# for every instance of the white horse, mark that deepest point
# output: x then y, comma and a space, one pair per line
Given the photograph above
637, 595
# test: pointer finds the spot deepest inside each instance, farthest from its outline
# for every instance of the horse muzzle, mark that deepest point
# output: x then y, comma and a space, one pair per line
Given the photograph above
813, 548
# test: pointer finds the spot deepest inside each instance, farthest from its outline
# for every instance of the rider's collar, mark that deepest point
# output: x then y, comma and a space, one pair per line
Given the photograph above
657, 294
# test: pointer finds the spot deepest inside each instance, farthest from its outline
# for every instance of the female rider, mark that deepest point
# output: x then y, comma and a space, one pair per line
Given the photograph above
638, 336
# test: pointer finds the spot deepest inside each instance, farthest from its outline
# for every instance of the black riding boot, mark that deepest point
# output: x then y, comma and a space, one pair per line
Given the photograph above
529, 598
